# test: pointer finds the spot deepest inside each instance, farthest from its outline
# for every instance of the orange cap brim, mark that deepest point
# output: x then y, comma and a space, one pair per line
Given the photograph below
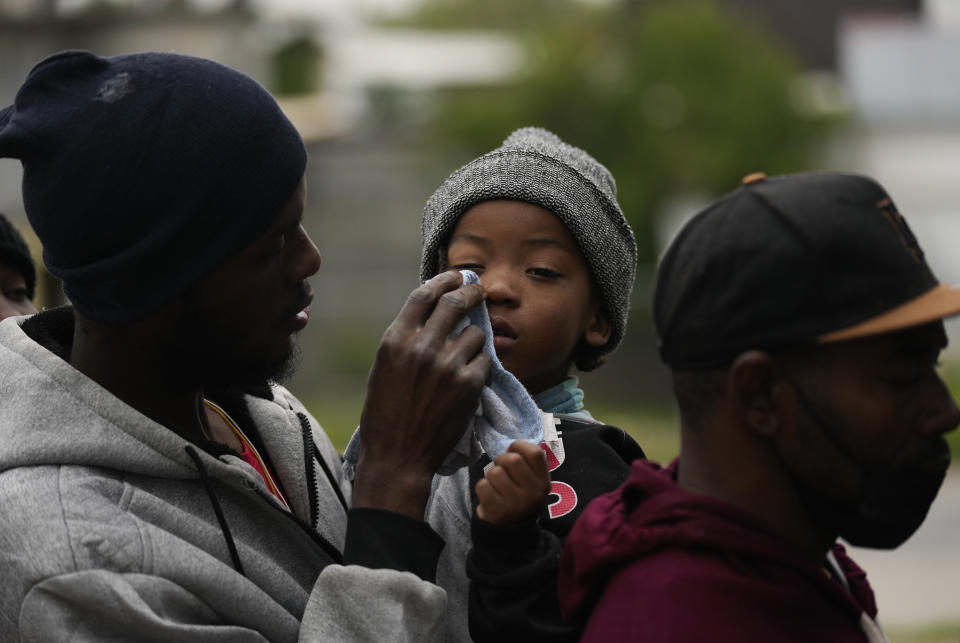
938, 302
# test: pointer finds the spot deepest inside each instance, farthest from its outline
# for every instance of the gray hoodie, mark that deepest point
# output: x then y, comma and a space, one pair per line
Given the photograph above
108, 531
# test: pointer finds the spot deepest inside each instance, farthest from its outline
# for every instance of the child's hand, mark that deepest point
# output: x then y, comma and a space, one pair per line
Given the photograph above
516, 486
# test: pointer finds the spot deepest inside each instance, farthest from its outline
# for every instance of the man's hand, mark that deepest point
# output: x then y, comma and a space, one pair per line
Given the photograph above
516, 487
422, 391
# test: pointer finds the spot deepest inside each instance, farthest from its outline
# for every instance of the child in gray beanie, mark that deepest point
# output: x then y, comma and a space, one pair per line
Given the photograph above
534, 166
538, 220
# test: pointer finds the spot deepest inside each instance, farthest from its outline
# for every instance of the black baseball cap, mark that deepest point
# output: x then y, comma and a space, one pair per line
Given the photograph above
803, 258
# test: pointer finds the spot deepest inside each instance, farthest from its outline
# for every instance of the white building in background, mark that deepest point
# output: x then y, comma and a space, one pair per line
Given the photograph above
903, 79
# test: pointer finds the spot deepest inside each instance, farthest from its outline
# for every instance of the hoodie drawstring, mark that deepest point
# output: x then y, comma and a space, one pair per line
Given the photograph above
231, 546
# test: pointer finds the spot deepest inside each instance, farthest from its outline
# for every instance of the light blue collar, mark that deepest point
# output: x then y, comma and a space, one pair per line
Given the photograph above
566, 397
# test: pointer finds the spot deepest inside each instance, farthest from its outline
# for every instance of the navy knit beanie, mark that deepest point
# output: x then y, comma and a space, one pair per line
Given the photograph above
15, 253
144, 172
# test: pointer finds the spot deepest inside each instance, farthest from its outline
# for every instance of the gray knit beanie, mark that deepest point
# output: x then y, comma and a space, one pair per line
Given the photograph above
535, 166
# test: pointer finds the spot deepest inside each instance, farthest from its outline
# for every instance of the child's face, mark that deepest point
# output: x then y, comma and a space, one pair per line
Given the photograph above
13, 294
538, 288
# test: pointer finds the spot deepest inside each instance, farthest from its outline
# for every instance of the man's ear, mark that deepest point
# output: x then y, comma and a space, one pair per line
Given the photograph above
598, 327
753, 378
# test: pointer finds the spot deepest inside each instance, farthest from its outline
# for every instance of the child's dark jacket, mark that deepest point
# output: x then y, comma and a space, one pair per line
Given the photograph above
513, 569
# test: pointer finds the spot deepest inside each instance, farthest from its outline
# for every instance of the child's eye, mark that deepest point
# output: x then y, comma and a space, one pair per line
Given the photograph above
544, 273
475, 267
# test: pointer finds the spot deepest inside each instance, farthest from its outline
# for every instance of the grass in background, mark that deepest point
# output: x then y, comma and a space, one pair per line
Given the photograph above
941, 633
338, 414
951, 375
655, 429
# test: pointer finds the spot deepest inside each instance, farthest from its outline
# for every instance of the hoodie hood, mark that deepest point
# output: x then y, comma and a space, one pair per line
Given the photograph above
45, 399
651, 514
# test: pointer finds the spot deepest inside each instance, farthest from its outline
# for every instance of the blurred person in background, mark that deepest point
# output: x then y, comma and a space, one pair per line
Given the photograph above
18, 275
157, 483
803, 327
538, 221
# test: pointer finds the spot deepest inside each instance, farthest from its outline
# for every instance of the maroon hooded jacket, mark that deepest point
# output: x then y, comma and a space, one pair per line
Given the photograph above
651, 562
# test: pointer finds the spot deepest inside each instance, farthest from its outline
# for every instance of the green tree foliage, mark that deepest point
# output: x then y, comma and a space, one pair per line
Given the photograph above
671, 96
295, 67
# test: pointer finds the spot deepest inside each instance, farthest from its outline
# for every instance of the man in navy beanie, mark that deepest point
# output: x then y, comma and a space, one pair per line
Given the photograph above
157, 483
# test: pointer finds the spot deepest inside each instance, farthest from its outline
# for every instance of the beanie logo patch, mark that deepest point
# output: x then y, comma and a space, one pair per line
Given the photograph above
900, 226
115, 89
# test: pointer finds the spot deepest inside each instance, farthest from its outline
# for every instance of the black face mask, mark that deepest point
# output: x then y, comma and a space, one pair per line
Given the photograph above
895, 497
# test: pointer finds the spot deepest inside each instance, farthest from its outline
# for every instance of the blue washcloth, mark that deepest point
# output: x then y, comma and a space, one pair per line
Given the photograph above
506, 411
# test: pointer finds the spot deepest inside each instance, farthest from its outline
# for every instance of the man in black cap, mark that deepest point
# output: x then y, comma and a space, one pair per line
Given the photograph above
156, 483
803, 326
18, 275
